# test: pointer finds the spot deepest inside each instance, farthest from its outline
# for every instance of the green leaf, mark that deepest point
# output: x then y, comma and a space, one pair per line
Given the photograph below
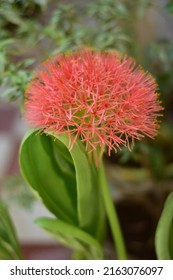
11, 15
64, 180
91, 212
9, 246
80, 241
46, 172
164, 232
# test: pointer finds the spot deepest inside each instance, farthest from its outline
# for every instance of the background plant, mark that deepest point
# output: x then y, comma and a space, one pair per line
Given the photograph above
45, 27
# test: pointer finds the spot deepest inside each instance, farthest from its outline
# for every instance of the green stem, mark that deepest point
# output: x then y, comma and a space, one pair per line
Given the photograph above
112, 216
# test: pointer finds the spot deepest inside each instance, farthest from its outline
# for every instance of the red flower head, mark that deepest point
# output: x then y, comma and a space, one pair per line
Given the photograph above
100, 97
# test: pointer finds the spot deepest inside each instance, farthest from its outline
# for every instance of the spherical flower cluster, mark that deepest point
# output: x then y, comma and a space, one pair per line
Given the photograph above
102, 98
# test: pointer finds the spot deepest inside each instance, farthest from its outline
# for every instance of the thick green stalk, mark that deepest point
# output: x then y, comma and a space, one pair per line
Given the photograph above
112, 216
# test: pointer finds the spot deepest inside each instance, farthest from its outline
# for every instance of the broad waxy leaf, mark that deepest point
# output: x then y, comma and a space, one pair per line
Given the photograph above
73, 237
42, 170
164, 232
66, 182
9, 247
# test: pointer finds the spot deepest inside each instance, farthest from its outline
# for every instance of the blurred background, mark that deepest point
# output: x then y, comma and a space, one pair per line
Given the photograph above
140, 181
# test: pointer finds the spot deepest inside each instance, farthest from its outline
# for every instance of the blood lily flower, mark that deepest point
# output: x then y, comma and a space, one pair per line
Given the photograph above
103, 98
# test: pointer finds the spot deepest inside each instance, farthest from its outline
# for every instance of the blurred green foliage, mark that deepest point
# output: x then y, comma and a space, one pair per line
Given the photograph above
160, 56
9, 245
16, 190
33, 30
169, 6
156, 156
